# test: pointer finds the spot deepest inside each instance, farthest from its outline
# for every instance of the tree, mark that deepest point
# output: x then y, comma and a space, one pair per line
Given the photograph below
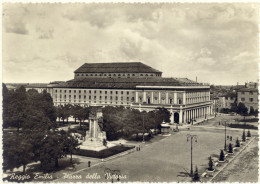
221, 156
237, 143
17, 151
230, 148
15, 108
251, 111
70, 144
248, 133
244, 136
242, 109
210, 164
196, 176
256, 113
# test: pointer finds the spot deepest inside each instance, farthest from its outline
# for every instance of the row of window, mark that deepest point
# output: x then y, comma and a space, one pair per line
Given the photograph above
95, 97
95, 91
250, 93
115, 75
250, 99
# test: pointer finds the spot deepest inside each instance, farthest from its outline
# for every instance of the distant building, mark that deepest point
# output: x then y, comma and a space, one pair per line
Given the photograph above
230, 99
249, 97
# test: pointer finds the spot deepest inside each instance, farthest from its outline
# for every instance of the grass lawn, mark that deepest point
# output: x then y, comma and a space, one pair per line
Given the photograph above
103, 153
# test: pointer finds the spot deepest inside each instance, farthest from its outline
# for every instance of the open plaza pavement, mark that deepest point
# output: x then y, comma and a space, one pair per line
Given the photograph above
168, 159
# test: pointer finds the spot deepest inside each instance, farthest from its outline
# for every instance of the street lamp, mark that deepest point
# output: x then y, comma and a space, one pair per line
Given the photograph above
225, 146
189, 136
143, 130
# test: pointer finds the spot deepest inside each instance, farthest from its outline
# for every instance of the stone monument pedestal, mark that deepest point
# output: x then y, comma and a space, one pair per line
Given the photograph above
95, 136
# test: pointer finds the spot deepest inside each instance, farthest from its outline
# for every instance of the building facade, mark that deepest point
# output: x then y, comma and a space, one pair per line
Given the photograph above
137, 86
249, 97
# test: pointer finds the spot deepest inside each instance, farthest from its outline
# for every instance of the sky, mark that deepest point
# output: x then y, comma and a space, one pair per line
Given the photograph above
216, 42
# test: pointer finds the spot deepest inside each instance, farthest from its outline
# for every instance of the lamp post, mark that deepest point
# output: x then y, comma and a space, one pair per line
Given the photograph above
225, 146
189, 136
143, 130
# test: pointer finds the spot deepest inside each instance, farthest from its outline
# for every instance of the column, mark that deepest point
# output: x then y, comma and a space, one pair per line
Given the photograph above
184, 116
180, 116
167, 98
184, 98
144, 96
90, 126
159, 98
94, 130
172, 116
136, 96
152, 97
174, 98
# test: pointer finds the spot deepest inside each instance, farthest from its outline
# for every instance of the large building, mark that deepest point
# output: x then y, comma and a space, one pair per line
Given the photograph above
134, 85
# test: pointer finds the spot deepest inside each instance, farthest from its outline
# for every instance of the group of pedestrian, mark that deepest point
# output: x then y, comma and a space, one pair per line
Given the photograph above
138, 148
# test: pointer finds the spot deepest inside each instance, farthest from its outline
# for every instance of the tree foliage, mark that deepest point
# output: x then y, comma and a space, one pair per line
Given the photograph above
221, 156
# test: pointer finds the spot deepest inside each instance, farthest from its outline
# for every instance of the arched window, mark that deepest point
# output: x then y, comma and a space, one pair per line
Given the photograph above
114, 74
146, 74
141, 75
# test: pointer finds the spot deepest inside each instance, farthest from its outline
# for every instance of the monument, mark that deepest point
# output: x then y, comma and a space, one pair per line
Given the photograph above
94, 136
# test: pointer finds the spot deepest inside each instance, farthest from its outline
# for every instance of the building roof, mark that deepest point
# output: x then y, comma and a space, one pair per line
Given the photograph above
124, 67
248, 90
124, 83
230, 94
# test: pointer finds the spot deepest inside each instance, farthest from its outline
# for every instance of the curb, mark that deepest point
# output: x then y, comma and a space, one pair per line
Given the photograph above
231, 160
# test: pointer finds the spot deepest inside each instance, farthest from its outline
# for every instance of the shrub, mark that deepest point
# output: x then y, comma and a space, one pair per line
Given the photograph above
248, 133
230, 148
196, 176
210, 164
244, 136
221, 156
237, 143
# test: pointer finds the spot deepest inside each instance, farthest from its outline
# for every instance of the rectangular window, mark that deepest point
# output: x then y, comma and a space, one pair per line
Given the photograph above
105, 97
242, 93
133, 98
251, 99
95, 97
116, 92
64, 96
89, 97
69, 91
242, 99
100, 97
105, 92
111, 98
79, 91
121, 98
127, 92
79, 96
127, 98
69, 96
89, 91
95, 91
75, 91
84, 96
122, 92
61, 91
65, 91
85, 91
74, 96
100, 92
116, 98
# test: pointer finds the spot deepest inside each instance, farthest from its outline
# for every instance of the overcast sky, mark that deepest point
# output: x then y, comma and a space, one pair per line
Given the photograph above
47, 42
